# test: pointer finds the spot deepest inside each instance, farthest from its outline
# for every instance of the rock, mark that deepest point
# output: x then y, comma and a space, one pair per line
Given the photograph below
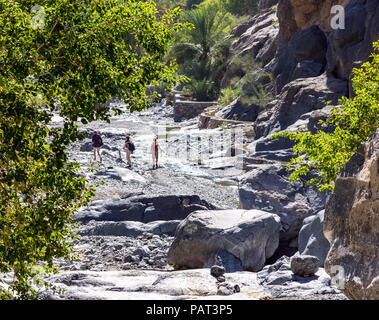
124, 174
225, 289
304, 266
217, 271
229, 261
184, 110
128, 258
311, 238
142, 252
351, 223
129, 228
256, 40
267, 187
354, 42
298, 98
143, 208
303, 56
295, 15
242, 28
149, 285
314, 118
238, 111
250, 235
279, 149
280, 282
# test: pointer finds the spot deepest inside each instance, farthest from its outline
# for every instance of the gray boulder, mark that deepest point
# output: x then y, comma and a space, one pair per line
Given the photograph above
252, 236
267, 187
128, 228
351, 223
311, 238
143, 208
304, 266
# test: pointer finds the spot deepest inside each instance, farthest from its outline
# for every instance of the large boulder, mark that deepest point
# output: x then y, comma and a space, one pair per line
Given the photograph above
311, 238
143, 208
251, 236
352, 223
267, 187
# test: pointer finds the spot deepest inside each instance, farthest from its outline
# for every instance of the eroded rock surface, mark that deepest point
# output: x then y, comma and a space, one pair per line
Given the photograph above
352, 223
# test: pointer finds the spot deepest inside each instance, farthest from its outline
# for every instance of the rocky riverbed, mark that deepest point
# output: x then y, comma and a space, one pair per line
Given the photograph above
127, 231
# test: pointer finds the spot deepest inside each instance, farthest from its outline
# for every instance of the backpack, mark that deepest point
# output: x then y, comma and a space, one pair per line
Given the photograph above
131, 146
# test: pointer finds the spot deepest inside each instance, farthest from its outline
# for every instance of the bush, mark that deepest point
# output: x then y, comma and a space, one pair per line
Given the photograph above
228, 95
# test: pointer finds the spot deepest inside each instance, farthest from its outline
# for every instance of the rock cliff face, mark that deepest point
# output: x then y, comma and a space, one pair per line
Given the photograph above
352, 223
345, 46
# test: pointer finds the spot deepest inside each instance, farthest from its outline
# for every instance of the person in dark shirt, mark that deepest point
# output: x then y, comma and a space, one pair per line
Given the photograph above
129, 148
97, 142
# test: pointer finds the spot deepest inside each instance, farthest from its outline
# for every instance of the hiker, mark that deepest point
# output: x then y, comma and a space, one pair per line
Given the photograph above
129, 148
97, 142
154, 152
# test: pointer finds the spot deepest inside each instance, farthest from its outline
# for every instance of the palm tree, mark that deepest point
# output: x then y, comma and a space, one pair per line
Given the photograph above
201, 51
209, 26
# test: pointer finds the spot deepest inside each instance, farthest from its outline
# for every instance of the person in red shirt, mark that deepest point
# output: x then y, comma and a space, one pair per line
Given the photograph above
97, 142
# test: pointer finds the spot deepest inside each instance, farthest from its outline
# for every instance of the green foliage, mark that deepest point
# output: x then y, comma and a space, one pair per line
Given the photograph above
249, 85
354, 121
86, 53
228, 95
210, 25
170, 4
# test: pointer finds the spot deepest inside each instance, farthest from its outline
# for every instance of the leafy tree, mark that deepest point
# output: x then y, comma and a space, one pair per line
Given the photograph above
69, 58
354, 121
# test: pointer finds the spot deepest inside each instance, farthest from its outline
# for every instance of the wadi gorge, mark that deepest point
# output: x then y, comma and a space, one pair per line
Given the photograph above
156, 234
